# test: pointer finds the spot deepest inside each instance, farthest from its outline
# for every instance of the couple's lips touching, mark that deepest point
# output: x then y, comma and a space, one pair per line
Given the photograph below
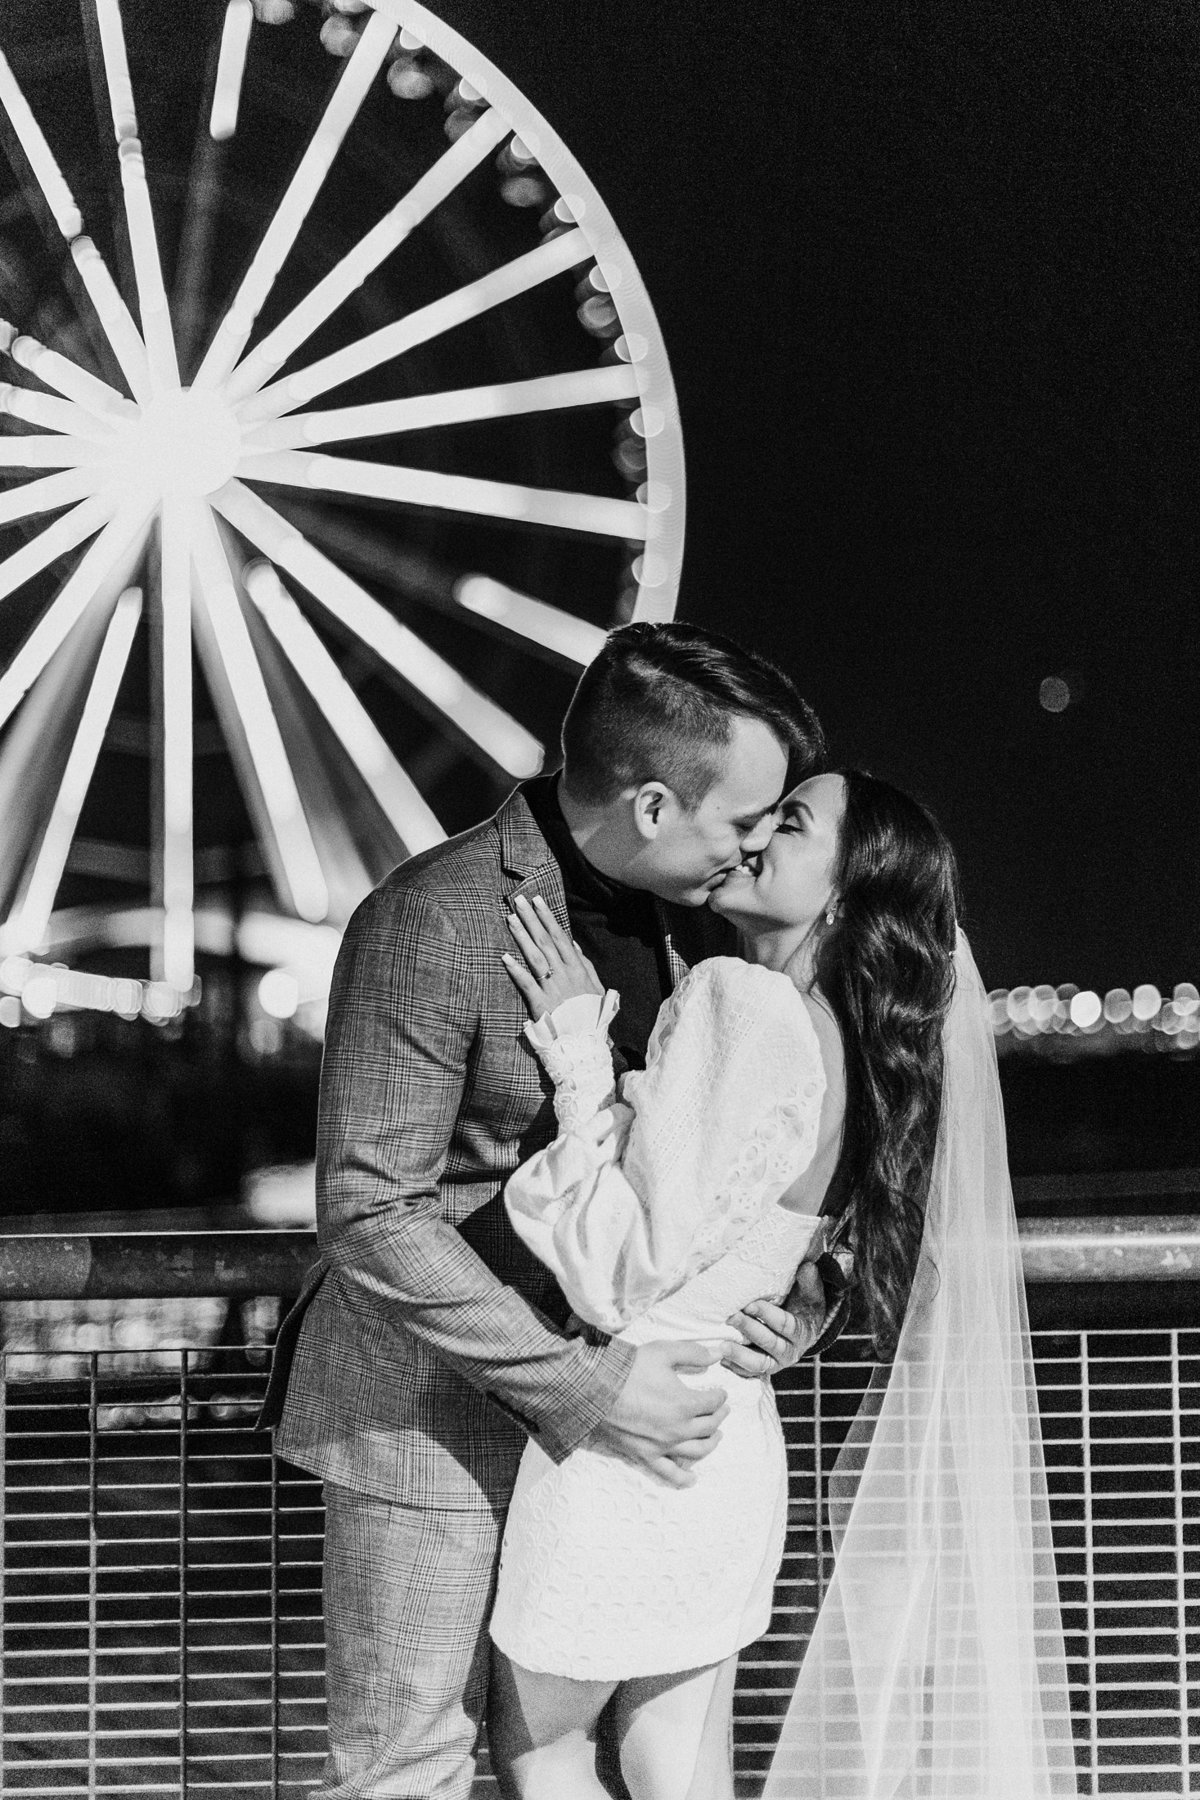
749, 866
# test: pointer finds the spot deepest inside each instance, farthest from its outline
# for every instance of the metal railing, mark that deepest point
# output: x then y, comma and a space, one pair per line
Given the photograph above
160, 1569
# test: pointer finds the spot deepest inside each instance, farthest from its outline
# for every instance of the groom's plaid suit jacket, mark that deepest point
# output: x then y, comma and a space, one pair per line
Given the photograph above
427, 1330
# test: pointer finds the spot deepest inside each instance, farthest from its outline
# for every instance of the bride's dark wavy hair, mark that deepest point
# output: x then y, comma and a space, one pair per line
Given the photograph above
885, 967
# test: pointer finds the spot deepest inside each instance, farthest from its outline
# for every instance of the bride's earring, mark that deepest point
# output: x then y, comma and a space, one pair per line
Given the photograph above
829, 915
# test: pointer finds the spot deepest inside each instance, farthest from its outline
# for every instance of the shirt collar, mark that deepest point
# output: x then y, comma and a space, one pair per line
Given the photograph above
582, 877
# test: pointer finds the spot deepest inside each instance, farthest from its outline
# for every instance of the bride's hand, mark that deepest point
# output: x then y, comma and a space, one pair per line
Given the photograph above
555, 968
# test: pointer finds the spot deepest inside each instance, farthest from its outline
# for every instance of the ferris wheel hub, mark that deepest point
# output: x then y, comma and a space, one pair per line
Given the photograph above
184, 442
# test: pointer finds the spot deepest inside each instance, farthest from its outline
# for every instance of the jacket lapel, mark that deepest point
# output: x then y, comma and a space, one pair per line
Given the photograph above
528, 865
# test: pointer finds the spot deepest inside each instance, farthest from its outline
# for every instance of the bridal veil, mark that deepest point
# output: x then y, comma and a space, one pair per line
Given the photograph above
936, 1667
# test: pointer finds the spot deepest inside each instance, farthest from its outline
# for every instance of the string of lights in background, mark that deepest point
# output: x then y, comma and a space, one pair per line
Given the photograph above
1084, 1019
1077, 1020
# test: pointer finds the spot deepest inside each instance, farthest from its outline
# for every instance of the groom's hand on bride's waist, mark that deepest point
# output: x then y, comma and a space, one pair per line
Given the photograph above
660, 1422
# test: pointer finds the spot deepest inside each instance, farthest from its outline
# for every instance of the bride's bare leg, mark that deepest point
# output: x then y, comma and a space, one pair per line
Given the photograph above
542, 1733
674, 1735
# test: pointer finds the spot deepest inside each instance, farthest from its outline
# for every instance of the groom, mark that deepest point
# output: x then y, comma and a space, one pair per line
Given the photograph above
428, 1342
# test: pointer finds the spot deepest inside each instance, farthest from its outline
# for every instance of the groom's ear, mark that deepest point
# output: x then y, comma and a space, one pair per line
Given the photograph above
650, 805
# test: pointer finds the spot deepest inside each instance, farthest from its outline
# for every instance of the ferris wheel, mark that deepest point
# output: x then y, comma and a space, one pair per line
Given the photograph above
143, 428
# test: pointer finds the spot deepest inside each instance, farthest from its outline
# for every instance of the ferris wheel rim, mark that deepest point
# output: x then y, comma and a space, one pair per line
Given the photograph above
666, 474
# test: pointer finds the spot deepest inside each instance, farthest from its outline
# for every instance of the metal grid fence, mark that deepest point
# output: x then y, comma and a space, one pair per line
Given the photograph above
1121, 1424
161, 1572
161, 1587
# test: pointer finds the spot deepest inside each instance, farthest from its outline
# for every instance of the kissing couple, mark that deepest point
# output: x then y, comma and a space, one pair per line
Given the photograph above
620, 1087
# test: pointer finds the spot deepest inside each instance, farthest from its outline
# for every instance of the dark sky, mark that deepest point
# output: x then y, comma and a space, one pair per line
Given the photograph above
928, 276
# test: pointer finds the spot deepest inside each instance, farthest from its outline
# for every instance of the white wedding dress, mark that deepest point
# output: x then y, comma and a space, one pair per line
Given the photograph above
660, 1216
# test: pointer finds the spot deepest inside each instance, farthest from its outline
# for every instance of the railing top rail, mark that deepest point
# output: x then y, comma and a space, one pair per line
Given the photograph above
239, 1264
161, 1265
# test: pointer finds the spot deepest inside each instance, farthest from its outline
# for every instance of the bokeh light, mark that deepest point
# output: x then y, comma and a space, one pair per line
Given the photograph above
1087, 1009
1146, 1000
279, 994
1054, 694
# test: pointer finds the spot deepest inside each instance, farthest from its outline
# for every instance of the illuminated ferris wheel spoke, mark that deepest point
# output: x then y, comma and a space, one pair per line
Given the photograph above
111, 310
115, 550
233, 333
231, 67
456, 406
51, 413
46, 495
66, 377
399, 798
22, 755
501, 738
197, 239
175, 848
454, 493
554, 630
250, 725
83, 521
47, 174
139, 216
26, 929
516, 277
433, 187
122, 333
36, 450
202, 196
486, 602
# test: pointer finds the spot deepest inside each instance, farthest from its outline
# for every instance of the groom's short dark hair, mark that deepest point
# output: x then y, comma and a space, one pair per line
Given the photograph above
658, 704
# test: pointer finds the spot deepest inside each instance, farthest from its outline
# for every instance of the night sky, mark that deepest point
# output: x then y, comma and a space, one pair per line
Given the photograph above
928, 276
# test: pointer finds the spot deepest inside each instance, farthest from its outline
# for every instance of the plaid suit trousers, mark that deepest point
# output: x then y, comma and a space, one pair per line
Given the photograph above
408, 1590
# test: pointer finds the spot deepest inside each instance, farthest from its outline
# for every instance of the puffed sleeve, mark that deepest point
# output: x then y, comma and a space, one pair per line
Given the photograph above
631, 1200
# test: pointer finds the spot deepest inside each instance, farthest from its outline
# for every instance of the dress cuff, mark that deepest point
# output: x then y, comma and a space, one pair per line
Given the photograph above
576, 1017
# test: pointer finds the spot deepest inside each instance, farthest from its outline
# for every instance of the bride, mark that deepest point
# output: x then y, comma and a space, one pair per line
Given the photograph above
836, 1084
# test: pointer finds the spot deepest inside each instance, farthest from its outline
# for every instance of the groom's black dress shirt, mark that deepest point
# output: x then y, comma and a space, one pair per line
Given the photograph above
616, 927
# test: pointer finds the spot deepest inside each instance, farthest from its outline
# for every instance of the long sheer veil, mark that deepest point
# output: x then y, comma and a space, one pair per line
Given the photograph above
936, 1668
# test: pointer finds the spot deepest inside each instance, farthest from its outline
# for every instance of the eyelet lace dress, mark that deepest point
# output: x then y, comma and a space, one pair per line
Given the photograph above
659, 1214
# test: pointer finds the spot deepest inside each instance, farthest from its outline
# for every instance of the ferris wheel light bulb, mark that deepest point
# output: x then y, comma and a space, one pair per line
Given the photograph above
279, 994
480, 595
39, 996
231, 66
